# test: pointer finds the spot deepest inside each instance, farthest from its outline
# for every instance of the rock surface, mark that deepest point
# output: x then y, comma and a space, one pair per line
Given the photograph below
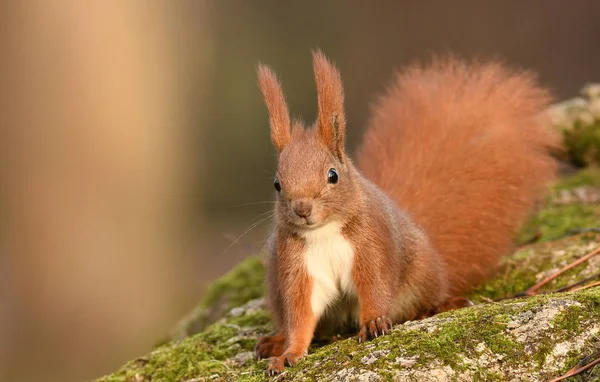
534, 339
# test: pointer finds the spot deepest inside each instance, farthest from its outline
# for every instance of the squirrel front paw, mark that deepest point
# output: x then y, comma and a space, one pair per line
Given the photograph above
374, 328
269, 346
277, 364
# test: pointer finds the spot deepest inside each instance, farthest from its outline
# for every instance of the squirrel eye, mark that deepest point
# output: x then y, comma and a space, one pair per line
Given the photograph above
332, 176
277, 185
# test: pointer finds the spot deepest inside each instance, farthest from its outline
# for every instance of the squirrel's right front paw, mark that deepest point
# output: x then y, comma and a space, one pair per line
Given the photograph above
375, 328
277, 364
269, 346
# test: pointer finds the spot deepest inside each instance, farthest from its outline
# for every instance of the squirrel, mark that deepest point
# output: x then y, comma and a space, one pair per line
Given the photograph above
455, 156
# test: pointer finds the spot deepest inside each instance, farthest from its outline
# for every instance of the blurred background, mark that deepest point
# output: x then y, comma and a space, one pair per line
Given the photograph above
134, 147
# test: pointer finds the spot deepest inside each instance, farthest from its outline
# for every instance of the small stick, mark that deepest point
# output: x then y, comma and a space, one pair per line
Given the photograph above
532, 291
597, 283
514, 297
577, 370
578, 283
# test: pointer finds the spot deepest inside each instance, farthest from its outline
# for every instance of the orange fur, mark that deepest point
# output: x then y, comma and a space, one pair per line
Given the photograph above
463, 149
330, 101
279, 115
455, 157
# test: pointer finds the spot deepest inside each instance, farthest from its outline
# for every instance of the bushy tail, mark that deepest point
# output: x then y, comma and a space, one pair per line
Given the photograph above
464, 149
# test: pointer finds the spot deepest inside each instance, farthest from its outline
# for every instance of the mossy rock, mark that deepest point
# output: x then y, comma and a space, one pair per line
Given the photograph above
533, 339
240, 285
539, 337
578, 119
573, 205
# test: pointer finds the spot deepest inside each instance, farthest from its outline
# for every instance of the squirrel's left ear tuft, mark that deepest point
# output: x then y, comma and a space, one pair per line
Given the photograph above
331, 120
279, 116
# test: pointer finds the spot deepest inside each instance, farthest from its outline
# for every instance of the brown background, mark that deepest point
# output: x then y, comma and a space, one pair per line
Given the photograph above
132, 134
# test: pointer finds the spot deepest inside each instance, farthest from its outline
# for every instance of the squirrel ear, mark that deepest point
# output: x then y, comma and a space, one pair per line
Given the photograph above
331, 122
279, 116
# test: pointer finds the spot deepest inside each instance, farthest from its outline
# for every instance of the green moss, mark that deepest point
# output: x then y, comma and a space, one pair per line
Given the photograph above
260, 318
490, 376
202, 355
545, 346
590, 298
570, 320
491, 330
514, 277
553, 222
443, 344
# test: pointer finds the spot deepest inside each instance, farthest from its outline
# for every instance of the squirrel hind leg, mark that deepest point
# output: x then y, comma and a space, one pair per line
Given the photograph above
454, 303
451, 303
269, 346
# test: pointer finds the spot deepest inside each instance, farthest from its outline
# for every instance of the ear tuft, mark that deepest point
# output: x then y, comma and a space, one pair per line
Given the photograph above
279, 116
331, 121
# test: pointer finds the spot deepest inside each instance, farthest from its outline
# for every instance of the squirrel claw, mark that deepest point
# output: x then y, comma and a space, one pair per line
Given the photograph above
374, 328
277, 364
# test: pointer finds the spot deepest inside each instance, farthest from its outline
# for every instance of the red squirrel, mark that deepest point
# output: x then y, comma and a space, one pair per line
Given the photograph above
454, 158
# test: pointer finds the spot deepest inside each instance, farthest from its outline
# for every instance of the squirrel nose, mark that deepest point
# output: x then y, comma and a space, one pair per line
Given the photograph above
302, 208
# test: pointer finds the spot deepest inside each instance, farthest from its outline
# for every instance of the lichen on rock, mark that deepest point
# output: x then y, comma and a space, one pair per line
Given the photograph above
498, 341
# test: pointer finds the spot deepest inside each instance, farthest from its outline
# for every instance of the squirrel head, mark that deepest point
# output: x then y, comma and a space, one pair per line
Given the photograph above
314, 180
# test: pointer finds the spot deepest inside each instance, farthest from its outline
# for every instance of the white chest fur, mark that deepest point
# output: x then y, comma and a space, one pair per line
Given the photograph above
329, 257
